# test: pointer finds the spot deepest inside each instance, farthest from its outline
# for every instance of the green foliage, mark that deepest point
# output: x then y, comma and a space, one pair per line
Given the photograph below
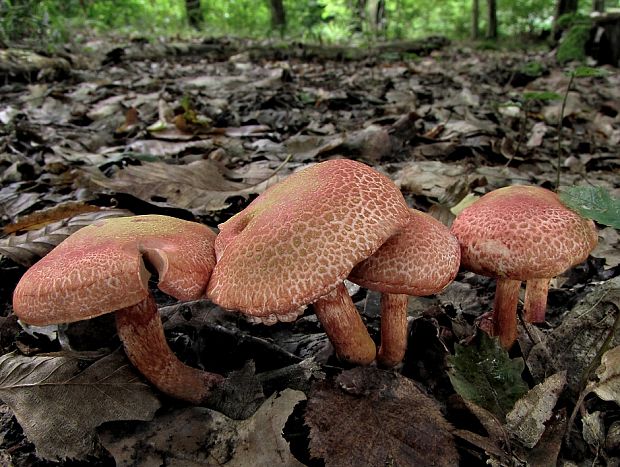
593, 202
573, 45
545, 96
317, 20
485, 375
588, 72
534, 69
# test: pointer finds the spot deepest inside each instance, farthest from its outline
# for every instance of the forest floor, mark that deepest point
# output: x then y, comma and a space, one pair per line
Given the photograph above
181, 130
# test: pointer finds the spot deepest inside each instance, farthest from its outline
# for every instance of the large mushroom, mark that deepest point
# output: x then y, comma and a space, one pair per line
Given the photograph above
101, 269
422, 259
521, 233
296, 243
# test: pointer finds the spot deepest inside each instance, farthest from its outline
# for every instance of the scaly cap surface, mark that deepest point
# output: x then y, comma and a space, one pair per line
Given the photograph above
99, 269
421, 259
301, 237
522, 232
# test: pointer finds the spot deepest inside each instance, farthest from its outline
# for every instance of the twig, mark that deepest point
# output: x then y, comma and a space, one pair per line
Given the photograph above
584, 391
559, 161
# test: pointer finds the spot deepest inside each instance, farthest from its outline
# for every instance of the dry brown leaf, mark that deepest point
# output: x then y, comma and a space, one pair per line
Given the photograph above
58, 406
526, 421
28, 248
428, 178
375, 417
608, 385
198, 436
198, 186
573, 345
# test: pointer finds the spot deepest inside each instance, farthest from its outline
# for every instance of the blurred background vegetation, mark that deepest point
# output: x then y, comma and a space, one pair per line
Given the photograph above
324, 21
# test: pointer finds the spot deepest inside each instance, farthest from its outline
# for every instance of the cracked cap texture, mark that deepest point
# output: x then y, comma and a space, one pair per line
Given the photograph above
301, 237
100, 268
522, 232
422, 259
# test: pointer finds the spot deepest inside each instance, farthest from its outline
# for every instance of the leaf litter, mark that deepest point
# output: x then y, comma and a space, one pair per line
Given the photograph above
446, 128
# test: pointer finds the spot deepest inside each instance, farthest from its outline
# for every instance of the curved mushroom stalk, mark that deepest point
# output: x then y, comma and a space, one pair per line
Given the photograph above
344, 327
536, 291
393, 329
140, 329
505, 311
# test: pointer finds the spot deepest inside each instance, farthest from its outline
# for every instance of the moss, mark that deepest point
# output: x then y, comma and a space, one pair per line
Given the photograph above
573, 45
534, 69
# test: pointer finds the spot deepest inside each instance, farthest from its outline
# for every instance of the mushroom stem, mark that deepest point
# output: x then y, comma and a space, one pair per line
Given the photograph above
393, 329
536, 300
344, 327
505, 311
140, 329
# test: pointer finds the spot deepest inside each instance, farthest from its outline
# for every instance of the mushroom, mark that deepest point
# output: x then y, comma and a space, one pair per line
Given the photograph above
101, 269
422, 259
521, 233
296, 243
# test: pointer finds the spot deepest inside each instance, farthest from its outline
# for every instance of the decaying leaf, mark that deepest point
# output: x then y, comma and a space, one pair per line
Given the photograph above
198, 186
608, 385
26, 249
375, 417
573, 345
593, 429
197, 436
526, 421
487, 376
429, 178
59, 405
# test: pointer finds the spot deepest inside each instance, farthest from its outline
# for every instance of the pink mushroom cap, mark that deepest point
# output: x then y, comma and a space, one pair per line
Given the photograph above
422, 259
298, 240
100, 268
522, 232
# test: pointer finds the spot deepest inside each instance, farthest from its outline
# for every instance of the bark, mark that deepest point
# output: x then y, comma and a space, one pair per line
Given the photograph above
475, 19
194, 13
598, 5
360, 15
564, 7
278, 16
491, 19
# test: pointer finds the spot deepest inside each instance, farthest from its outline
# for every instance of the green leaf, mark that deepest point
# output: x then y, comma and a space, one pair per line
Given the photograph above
588, 72
593, 202
485, 375
541, 96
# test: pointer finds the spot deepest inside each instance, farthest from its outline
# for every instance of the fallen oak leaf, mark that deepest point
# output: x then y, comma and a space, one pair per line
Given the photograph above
375, 417
197, 436
58, 405
526, 421
28, 248
608, 385
198, 186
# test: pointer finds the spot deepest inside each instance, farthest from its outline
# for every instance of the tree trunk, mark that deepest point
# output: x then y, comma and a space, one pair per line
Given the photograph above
492, 19
194, 13
475, 19
360, 15
598, 5
564, 7
380, 18
278, 16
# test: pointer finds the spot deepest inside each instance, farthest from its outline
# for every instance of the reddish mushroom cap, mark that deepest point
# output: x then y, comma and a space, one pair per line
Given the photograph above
421, 259
301, 237
99, 269
522, 232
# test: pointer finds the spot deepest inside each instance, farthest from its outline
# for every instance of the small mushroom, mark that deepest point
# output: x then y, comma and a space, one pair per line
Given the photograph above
521, 233
296, 243
101, 269
422, 259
